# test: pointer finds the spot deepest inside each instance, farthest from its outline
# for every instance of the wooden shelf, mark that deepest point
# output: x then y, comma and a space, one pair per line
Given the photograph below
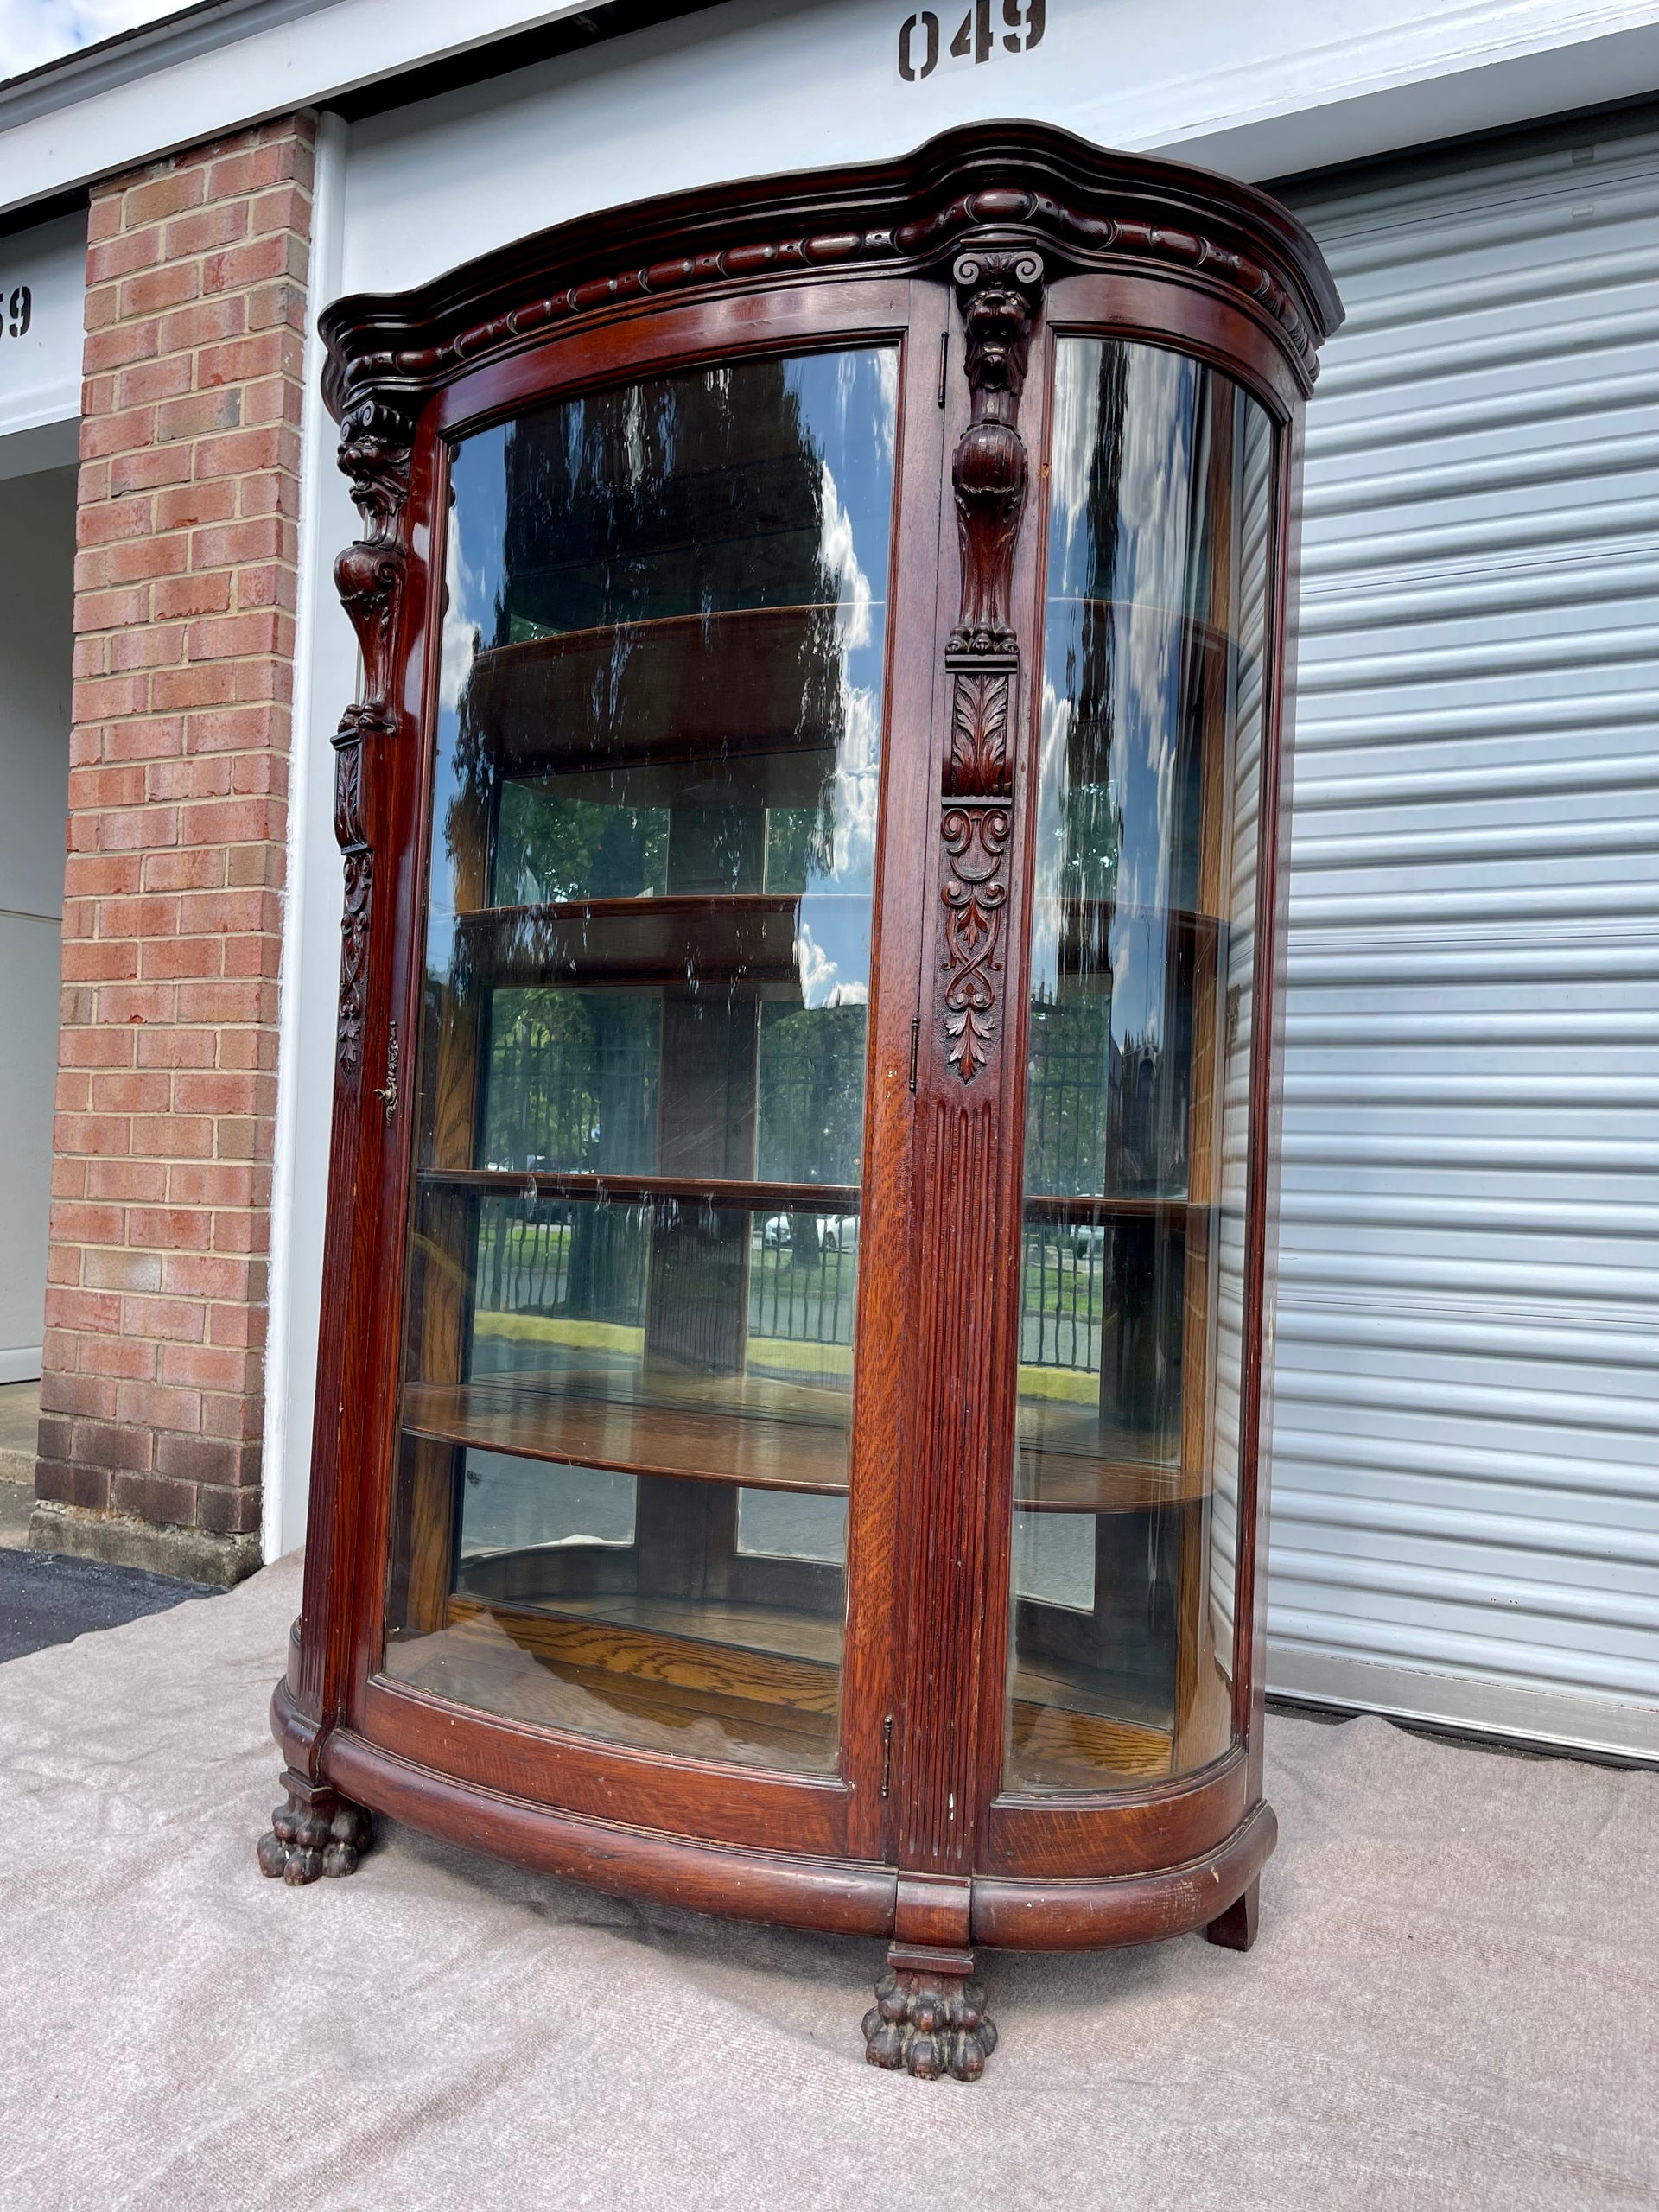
689, 1191
728, 1193
1204, 638
1056, 1747
757, 1434
658, 938
596, 1675
1060, 1467
791, 1657
1082, 929
749, 1682
1102, 913
1185, 917
635, 695
1085, 1212
642, 944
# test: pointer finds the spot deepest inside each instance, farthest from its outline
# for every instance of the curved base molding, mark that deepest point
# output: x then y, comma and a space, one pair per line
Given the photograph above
842, 1896
1012, 1915
930, 2017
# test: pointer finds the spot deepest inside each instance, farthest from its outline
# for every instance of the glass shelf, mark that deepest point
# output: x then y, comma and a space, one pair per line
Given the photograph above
757, 1433
744, 1429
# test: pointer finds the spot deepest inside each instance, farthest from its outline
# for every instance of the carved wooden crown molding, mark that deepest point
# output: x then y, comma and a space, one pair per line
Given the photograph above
1000, 187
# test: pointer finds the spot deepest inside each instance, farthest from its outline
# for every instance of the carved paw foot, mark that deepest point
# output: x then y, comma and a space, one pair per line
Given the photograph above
305, 1841
929, 2025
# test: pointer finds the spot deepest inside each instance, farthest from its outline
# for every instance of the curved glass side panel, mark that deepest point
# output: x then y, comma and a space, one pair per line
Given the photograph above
621, 1493
1154, 687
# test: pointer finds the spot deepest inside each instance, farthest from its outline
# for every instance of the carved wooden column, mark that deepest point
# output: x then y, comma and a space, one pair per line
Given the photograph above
316, 1831
370, 575
930, 2014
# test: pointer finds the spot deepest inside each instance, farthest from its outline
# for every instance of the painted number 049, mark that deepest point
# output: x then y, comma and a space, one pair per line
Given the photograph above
919, 36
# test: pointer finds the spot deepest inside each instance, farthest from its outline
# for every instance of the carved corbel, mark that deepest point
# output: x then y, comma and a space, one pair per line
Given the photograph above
375, 442
1000, 293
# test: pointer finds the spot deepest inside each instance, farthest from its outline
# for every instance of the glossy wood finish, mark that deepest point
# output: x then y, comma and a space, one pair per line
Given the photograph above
906, 1830
794, 1885
1027, 1914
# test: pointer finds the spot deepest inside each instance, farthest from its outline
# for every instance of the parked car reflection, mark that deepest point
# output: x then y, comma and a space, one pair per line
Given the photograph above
830, 1232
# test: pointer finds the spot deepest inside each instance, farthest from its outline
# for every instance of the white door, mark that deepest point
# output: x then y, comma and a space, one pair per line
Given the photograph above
37, 567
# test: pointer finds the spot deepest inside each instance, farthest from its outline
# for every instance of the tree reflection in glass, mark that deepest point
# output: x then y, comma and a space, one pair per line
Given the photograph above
629, 1350
1142, 918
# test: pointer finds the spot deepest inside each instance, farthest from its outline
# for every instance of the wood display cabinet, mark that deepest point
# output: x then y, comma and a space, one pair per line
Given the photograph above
790, 1427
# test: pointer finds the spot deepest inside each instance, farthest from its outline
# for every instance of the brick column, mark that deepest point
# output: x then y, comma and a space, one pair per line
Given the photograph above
152, 1395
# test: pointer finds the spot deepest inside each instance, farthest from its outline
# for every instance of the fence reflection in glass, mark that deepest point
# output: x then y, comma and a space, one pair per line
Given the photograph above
630, 1334
1155, 641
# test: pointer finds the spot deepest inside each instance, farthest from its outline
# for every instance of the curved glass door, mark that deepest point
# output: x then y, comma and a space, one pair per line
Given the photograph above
1155, 688
621, 1502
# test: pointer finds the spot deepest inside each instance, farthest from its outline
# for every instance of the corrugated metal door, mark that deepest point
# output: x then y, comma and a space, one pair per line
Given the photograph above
1466, 1433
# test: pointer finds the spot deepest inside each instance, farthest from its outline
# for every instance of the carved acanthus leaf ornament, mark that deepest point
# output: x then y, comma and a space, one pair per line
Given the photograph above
989, 476
375, 444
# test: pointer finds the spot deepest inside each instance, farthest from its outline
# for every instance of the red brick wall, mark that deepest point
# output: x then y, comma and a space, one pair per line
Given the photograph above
152, 1395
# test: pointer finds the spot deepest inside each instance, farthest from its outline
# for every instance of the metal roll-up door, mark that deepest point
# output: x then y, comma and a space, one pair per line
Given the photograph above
1465, 1441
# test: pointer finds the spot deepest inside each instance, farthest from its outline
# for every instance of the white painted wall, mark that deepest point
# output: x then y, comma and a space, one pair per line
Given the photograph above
39, 365
324, 679
37, 542
1259, 87
1244, 79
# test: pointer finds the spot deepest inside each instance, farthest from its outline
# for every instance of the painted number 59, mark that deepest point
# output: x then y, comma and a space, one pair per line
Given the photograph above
976, 35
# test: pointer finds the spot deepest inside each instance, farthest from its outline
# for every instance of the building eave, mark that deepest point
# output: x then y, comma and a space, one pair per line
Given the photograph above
239, 62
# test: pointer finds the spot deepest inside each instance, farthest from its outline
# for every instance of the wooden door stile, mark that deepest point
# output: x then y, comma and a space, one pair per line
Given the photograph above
393, 1098
386, 581
964, 1314
886, 1377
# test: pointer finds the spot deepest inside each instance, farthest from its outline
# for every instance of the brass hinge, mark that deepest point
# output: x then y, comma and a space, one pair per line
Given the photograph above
886, 1755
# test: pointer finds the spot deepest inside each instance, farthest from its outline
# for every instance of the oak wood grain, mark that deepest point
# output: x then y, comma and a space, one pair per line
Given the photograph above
652, 1671
1131, 246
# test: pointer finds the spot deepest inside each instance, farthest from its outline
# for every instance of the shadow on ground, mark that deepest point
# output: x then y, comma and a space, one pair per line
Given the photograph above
47, 1598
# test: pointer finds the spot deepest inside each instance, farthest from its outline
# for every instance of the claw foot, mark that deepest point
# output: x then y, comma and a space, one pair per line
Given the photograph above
304, 1841
929, 2025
